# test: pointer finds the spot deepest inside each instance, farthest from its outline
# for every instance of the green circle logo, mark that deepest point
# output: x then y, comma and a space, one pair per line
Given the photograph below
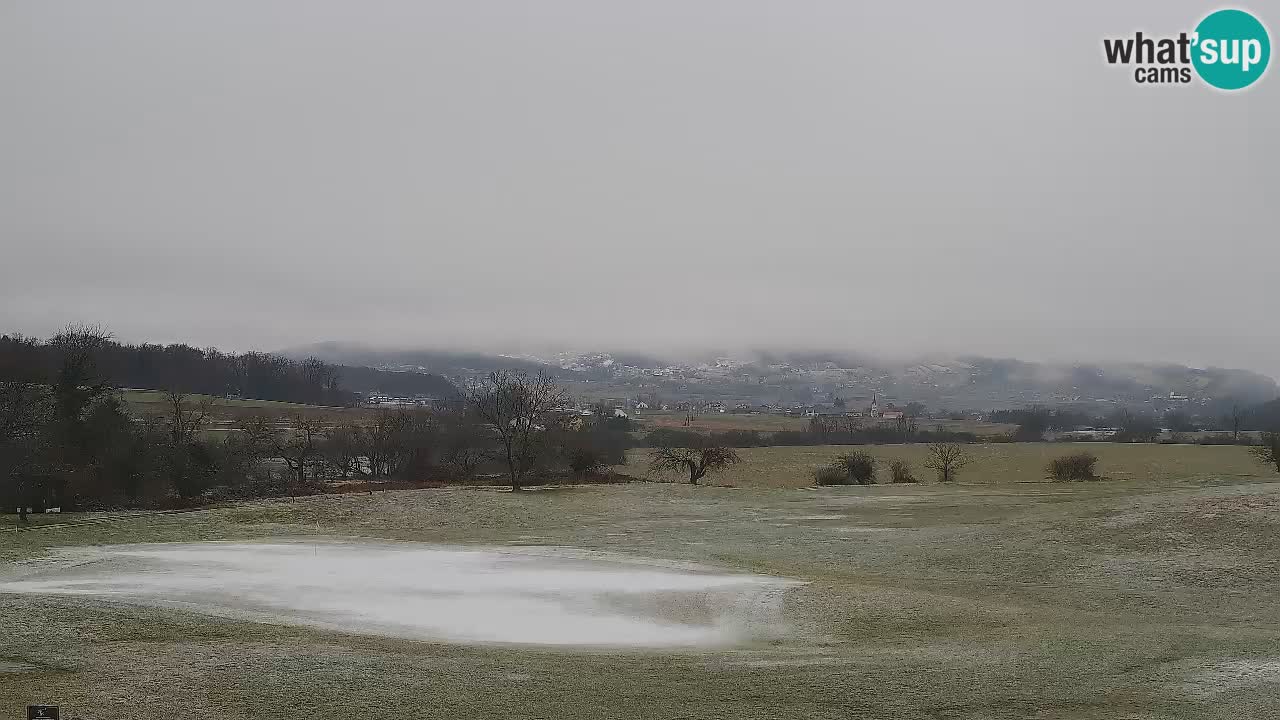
1232, 49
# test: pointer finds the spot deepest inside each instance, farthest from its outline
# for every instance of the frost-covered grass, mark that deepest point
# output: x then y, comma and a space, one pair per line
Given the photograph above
1094, 600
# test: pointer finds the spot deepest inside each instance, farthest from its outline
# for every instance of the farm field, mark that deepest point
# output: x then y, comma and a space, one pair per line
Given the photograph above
720, 422
1150, 597
767, 422
223, 410
993, 463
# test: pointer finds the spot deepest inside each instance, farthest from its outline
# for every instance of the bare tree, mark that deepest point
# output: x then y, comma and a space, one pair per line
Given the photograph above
418, 442
184, 458
186, 417
298, 445
822, 426
77, 383
851, 425
1268, 449
381, 443
464, 442
697, 461
906, 426
518, 408
1235, 418
947, 459
343, 451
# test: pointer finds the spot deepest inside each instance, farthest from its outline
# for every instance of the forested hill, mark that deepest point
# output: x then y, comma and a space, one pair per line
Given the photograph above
366, 380
262, 376
1264, 417
799, 378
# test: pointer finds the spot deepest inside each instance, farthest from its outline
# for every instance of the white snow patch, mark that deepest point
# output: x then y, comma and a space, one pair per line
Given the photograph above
546, 596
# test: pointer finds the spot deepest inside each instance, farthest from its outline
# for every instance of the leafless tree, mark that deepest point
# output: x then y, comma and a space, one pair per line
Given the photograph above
316, 375
822, 426
518, 408
78, 347
697, 461
1235, 418
417, 442
186, 417
851, 424
381, 443
298, 445
947, 459
77, 381
343, 450
464, 441
905, 426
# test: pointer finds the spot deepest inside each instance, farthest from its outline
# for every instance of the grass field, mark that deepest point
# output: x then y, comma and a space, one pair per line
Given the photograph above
1149, 597
720, 422
223, 410
766, 423
792, 467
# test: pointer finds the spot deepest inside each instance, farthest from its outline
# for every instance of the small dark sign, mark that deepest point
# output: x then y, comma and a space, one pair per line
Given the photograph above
42, 712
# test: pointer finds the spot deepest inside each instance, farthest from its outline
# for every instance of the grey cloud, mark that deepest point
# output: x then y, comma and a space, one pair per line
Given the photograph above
894, 177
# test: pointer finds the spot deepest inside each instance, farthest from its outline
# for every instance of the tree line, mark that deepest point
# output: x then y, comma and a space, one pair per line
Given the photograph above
208, 371
821, 431
1135, 426
71, 441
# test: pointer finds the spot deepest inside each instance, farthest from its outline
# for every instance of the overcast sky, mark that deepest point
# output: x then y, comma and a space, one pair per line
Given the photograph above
885, 176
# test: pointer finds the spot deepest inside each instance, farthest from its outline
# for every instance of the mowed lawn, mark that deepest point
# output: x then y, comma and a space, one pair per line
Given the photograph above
790, 467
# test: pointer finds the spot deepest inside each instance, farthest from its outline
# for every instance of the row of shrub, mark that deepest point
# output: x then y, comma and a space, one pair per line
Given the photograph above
859, 468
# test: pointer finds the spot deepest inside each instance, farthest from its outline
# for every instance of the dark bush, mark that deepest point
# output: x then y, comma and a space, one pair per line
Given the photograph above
739, 438
584, 460
859, 466
1077, 466
900, 470
831, 475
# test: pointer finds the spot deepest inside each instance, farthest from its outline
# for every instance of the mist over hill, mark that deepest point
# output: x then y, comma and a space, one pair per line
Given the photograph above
812, 377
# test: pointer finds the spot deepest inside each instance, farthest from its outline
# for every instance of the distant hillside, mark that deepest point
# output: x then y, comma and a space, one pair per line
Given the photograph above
365, 380
1264, 417
429, 361
799, 378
